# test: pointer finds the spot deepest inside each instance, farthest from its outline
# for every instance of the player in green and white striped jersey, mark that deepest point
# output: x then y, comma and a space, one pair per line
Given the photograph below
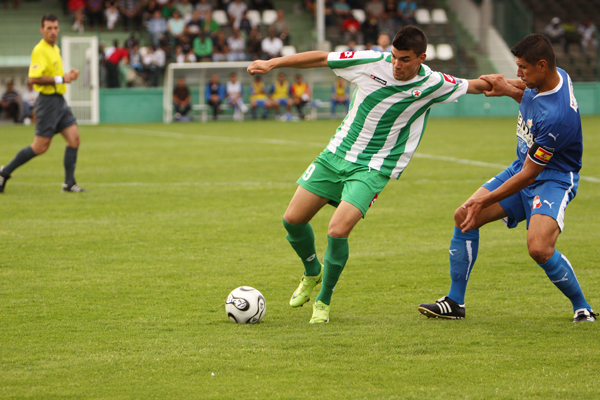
374, 143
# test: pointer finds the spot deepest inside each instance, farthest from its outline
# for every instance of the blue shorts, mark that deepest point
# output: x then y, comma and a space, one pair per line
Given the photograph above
260, 103
545, 196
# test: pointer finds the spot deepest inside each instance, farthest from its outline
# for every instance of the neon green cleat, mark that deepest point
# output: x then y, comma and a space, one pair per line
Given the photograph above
320, 313
307, 284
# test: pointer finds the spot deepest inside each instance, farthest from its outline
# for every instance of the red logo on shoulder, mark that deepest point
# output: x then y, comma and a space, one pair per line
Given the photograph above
346, 54
449, 78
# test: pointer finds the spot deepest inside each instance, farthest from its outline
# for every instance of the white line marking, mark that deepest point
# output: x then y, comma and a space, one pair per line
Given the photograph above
176, 135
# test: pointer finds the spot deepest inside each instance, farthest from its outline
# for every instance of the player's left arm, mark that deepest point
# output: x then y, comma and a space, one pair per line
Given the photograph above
307, 59
513, 185
478, 86
513, 88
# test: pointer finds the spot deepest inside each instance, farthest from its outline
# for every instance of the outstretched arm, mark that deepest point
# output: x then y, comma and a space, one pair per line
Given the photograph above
478, 86
308, 59
501, 86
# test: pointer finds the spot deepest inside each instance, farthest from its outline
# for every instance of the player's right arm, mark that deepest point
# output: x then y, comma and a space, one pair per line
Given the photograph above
501, 86
308, 59
51, 80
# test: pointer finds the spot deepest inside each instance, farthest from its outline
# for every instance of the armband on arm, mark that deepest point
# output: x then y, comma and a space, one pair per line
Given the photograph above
539, 154
59, 80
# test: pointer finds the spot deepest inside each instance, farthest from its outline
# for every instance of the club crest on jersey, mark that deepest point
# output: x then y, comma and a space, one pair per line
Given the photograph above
536, 203
449, 78
378, 79
346, 54
416, 93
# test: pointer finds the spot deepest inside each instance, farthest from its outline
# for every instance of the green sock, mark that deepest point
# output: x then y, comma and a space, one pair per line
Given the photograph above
336, 256
302, 239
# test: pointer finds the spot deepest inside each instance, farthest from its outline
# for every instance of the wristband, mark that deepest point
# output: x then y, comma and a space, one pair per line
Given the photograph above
59, 79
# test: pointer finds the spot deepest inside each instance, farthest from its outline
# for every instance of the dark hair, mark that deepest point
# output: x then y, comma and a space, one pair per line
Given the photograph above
534, 48
410, 38
48, 17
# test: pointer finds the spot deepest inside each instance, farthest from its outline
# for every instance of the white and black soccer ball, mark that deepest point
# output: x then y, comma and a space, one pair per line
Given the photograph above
245, 305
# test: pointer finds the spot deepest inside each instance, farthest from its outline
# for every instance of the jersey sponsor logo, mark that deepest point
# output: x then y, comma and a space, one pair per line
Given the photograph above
347, 54
543, 155
378, 79
536, 203
416, 93
373, 201
524, 133
449, 78
573, 100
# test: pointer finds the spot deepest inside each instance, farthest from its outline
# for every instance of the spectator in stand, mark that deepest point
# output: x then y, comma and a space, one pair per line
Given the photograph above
162, 3
254, 45
571, 34
210, 26
10, 102
588, 33
203, 47
235, 10
29, 98
340, 95
262, 5
234, 97
179, 56
341, 10
205, 8
149, 10
301, 93
370, 29
181, 101
187, 49
220, 48
168, 9
280, 96
131, 41
157, 28
387, 24
258, 97
374, 8
14, 2
109, 50
135, 58
194, 27
176, 26
112, 65
132, 14
186, 9
246, 25
351, 30
383, 43
215, 93
391, 9
95, 13
237, 45
112, 15
282, 27
406, 13
554, 31
351, 46
76, 9
271, 45
150, 62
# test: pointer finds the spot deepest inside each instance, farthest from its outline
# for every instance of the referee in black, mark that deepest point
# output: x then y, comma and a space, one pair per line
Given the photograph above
53, 115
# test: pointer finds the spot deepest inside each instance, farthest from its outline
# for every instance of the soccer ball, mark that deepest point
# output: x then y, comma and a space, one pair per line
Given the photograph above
245, 305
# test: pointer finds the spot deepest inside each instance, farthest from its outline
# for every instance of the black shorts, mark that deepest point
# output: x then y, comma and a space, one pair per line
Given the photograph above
52, 115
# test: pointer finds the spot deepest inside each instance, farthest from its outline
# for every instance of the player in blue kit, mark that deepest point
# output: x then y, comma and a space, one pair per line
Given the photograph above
536, 187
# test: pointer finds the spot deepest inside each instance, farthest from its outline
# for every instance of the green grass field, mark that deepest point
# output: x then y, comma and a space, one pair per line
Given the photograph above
119, 292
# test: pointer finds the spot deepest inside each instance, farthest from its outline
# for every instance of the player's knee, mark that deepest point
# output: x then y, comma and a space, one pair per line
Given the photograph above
540, 252
338, 231
459, 216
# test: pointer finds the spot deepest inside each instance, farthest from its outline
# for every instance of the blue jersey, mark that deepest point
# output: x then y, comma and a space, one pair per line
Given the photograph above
549, 130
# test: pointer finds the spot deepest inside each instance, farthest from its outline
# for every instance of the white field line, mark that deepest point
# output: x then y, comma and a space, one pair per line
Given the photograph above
176, 135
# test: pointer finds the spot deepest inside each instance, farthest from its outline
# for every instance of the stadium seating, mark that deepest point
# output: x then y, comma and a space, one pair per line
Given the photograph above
254, 17
423, 16
220, 17
444, 52
268, 17
288, 50
359, 15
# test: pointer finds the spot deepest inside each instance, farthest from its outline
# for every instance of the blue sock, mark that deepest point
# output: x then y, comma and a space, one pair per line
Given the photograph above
560, 272
463, 253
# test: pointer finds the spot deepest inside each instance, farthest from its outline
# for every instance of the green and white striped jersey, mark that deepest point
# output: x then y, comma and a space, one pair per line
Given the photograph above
387, 117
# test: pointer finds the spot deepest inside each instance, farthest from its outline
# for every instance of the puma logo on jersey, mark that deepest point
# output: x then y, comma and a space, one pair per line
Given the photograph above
553, 137
549, 204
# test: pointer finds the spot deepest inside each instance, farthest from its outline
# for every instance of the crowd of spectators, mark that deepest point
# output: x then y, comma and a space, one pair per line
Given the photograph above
16, 107
567, 32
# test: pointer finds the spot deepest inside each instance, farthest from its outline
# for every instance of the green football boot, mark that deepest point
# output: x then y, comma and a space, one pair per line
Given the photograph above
307, 284
320, 313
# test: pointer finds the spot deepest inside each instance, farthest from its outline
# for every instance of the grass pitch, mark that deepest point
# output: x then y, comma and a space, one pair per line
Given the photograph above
119, 292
